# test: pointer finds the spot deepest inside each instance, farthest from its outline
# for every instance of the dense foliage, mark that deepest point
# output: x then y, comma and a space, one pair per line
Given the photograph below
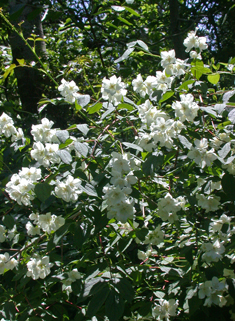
125, 211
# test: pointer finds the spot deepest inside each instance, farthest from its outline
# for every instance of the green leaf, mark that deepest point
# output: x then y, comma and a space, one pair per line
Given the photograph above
118, 8
166, 96
43, 191
114, 306
133, 146
152, 163
83, 128
184, 141
95, 108
77, 106
61, 232
194, 304
21, 62
125, 55
9, 311
132, 11
228, 183
125, 21
89, 189
186, 83
213, 78
231, 287
125, 106
125, 288
97, 301
8, 221
9, 70
81, 148
63, 135
225, 150
64, 156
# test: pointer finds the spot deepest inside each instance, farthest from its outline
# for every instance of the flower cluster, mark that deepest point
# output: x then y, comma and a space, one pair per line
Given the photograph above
193, 41
213, 291
162, 128
120, 204
43, 132
113, 90
68, 189
169, 206
47, 222
154, 237
72, 277
39, 267
212, 252
6, 263
21, 186
69, 90
173, 66
165, 309
186, 109
200, 154
209, 203
8, 129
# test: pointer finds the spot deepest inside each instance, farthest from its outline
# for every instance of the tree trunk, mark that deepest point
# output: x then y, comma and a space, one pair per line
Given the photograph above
175, 32
29, 80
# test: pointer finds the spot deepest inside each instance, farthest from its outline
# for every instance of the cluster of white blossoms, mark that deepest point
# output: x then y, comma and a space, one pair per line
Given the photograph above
216, 225
43, 132
213, 291
47, 222
21, 186
200, 153
113, 90
212, 251
152, 83
8, 129
68, 189
69, 90
169, 206
39, 267
45, 155
186, 109
165, 309
72, 277
162, 128
172, 65
117, 196
154, 237
193, 41
8, 235
6, 263
208, 202
46, 143
144, 256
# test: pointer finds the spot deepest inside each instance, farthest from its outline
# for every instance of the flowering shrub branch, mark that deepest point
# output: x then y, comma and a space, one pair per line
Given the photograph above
130, 215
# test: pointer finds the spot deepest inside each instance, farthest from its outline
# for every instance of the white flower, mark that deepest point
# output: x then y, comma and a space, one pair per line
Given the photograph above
39, 267
69, 90
43, 132
168, 206
186, 109
6, 263
165, 309
213, 252
68, 189
194, 55
113, 89
154, 237
209, 203
129, 1
32, 230
168, 57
